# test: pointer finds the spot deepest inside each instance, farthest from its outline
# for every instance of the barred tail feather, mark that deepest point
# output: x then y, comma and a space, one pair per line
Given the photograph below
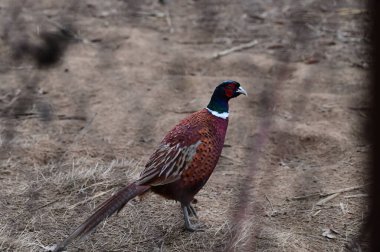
105, 210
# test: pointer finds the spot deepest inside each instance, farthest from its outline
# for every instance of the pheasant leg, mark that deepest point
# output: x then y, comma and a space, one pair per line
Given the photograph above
191, 211
188, 226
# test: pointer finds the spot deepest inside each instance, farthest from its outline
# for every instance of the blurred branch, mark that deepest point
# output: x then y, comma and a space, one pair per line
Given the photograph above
235, 49
329, 193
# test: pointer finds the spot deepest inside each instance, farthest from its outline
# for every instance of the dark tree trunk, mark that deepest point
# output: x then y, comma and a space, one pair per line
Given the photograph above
374, 129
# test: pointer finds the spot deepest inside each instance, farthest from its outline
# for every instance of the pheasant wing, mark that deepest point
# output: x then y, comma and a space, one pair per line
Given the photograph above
172, 157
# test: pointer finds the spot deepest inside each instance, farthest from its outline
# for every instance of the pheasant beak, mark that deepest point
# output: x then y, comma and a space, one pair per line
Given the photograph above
241, 91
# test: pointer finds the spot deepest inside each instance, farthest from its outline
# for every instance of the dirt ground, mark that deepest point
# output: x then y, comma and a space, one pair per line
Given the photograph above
74, 132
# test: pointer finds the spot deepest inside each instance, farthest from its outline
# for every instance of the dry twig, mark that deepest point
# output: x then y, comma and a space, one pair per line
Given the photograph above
327, 199
362, 195
235, 48
88, 199
329, 193
270, 203
169, 20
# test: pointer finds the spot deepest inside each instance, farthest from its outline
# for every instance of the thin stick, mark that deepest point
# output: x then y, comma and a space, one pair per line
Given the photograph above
95, 184
169, 20
329, 193
362, 195
270, 203
47, 204
344, 190
342, 208
89, 199
235, 48
327, 199
66, 29
59, 117
306, 196
317, 212
65, 117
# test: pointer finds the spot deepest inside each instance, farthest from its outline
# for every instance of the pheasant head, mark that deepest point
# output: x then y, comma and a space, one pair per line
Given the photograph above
218, 105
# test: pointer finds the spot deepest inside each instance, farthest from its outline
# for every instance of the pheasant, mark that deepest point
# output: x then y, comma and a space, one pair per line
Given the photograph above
181, 165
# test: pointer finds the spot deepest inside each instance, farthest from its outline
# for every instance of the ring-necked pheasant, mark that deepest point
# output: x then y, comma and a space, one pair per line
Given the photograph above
182, 163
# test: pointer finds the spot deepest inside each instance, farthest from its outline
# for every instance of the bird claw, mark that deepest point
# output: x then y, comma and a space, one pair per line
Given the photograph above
189, 210
56, 248
195, 228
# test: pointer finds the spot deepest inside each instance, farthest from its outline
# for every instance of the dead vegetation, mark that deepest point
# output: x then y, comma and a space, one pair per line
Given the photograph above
292, 174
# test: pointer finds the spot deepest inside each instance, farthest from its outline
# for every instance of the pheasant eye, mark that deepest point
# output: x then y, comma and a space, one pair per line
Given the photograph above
230, 86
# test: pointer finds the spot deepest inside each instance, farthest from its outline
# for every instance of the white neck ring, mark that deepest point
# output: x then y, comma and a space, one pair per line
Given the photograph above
223, 115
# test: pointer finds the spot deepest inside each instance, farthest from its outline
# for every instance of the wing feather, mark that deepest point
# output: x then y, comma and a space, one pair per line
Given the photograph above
168, 162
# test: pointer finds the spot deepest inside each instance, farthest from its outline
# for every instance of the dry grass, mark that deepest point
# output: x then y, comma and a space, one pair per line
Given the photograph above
57, 196
52, 198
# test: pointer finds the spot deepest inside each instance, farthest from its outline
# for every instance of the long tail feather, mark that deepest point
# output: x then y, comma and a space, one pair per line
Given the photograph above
106, 209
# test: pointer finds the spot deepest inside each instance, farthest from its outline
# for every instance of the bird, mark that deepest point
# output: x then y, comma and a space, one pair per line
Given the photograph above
180, 166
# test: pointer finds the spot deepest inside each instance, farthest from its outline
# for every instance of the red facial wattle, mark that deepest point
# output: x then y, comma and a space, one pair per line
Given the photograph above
229, 93
230, 90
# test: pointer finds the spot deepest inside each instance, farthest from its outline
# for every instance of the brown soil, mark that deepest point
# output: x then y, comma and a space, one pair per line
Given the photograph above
74, 132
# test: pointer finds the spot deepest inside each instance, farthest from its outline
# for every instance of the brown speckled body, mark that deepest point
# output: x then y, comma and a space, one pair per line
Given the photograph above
211, 131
